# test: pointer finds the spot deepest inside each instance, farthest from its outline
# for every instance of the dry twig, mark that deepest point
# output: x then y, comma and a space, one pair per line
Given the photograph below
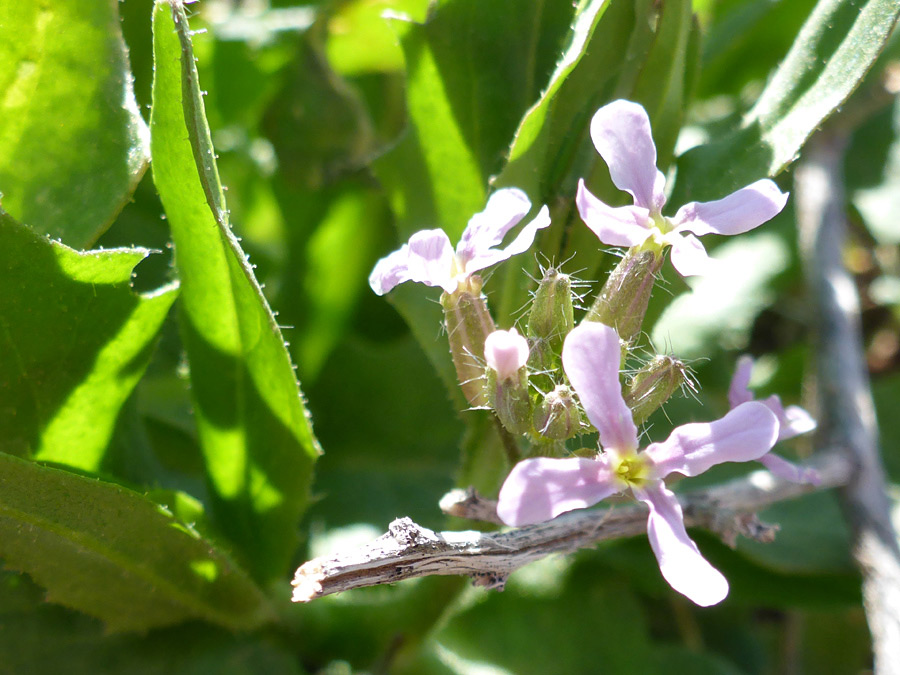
408, 550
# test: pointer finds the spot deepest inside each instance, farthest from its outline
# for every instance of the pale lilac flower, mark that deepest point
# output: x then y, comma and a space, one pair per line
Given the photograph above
429, 257
621, 134
505, 352
792, 421
541, 488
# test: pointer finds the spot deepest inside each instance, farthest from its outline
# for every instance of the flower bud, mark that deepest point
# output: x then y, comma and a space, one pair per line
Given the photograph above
557, 417
506, 353
468, 324
623, 300
652, 386
551, 318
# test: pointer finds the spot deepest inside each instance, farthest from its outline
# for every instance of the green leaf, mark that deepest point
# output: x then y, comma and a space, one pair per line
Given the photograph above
534, 605
385, 462
115, 555
473, 69
360, 41
39, 638
73, 145
339, 250
554, 129
257, 439
76, 339
813, 539
632, 50
835, 48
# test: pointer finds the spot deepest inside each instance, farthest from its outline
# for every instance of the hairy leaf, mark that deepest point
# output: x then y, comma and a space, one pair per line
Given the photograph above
114, 554
835, 48
257, 438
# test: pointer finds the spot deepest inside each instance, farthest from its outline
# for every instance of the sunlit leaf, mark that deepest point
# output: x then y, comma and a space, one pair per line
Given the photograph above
114, 554
76, 339
832, 53
257, 439
473, 69
73, 145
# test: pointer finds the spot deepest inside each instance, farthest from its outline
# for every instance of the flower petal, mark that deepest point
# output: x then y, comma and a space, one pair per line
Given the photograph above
739, 212
688, 255
793, 420
796, 421
680, 561
505, 352
391, 270
541, 488
739, 391
621, 134
591, 356
520, 244
790, 471
485, 230
430, 259
746, 433
622, 226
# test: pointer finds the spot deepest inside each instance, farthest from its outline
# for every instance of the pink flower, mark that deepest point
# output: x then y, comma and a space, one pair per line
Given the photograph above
506, 352
621, 134
792, 421
541, 488
429, 257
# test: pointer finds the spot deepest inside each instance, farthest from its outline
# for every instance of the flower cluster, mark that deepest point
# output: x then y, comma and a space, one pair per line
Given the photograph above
539, 489
559, 381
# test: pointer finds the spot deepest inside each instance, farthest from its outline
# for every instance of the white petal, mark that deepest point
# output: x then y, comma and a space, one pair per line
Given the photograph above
591, 356
622, 226
430, 259
521, 243
739, 212
790, 471
739, 392
680, 561
391, 270
746, 433
485, 230
688, 255
541, 488
621, 133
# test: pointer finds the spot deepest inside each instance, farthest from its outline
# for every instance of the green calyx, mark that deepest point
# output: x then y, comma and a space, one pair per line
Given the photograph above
468, 324
622, 302
652, 386
557, 416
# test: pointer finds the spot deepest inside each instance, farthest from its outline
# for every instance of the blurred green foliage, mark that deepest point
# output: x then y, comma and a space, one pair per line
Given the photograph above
184, 482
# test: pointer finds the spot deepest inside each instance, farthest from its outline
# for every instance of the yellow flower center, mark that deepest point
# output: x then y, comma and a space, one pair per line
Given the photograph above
632, 469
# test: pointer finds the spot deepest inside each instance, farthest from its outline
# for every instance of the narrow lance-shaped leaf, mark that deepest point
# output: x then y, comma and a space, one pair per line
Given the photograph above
114, 554
257, 438
73, 145
835, 48
473, 68
75, 339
